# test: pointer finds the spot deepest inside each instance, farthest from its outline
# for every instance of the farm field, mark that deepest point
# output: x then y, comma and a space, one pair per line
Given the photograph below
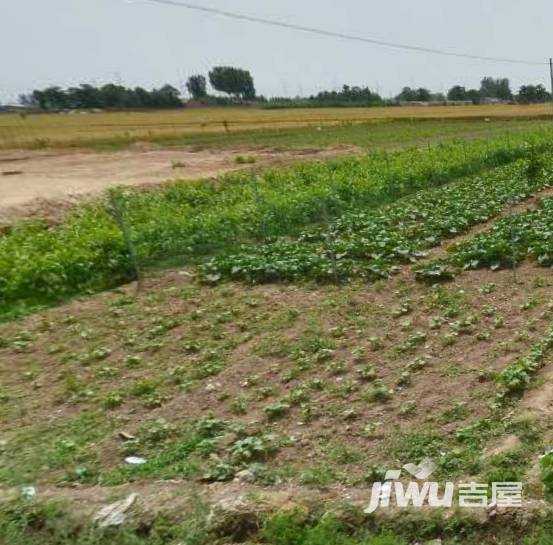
45, 183
265, 346
202, 124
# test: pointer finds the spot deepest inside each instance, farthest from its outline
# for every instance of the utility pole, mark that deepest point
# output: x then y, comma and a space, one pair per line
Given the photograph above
551, 75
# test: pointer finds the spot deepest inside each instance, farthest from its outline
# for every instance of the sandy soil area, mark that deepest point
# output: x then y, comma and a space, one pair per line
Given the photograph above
41, 183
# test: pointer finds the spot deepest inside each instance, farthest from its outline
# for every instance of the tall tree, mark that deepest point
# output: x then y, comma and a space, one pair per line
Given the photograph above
197, 86
474, 95
496, 88
529, 94
414, 95
51, 98
457, 92
84, 96
233, 81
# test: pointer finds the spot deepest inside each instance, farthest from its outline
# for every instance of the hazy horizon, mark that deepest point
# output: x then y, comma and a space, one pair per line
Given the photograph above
134, 42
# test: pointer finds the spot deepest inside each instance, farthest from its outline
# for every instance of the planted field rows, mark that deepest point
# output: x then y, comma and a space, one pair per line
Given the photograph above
184, 221
316, 387
513, 239
300, 380
368, 244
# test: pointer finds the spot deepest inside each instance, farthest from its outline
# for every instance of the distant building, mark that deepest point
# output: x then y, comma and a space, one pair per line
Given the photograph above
493, 100
15, 108
413, 103
435, 103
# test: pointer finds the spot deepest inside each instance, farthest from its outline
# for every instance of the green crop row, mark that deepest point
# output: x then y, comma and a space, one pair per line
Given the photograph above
40, 264
192, 219
368, 243
516, 377
513, 239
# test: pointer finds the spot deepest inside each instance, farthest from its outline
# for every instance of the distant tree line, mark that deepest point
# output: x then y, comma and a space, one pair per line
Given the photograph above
237, 86
348, 95
490, 89
236, 83
419, 95
87, 96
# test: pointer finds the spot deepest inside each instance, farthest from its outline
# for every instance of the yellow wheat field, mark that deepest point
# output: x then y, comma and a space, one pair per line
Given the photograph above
63, 129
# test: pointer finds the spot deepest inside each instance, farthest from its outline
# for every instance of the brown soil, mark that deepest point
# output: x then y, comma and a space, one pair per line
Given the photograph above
254, 318
455, 374
539, 401
45, 183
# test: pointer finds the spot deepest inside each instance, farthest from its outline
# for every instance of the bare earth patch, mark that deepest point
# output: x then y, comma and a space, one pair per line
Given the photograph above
45, 183
226, 353
180, 352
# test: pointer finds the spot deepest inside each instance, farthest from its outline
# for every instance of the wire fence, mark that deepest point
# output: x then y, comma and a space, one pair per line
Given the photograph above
261, 229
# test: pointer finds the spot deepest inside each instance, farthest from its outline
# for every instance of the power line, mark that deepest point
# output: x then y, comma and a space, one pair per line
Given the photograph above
343, 36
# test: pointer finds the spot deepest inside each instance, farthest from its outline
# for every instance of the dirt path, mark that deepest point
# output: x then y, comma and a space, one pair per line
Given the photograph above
40, 183
235, 508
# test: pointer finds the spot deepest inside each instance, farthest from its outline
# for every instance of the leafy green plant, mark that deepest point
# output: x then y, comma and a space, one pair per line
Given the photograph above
276, 410
252, 448
547, 472
376, 392
41, 265
368, 244
519, 374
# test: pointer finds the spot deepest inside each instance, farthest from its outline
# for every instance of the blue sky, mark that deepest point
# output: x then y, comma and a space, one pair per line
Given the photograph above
134, 42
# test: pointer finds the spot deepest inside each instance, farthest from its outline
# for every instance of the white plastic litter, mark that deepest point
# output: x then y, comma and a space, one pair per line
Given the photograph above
135, 460
28, 491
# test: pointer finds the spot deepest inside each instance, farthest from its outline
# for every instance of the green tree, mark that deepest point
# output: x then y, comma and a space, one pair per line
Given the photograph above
107, 96
115, 96
532, 94
496, 88
51, 98
348, 95
233, 81
166, 97
474, 95
414, 95
197, 86
423, 95
84, 96
457, 92
407, 95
